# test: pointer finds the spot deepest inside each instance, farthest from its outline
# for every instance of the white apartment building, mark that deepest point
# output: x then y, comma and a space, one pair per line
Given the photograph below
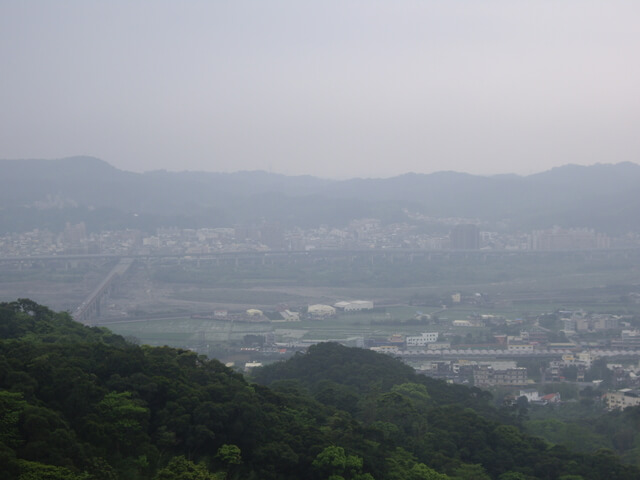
621, 399
421, 340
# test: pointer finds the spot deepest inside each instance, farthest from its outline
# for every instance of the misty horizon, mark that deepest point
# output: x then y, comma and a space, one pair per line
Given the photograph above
271, 172
332, 90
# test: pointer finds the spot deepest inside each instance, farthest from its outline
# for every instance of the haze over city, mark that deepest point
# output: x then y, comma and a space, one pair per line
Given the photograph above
337, 240
332, 89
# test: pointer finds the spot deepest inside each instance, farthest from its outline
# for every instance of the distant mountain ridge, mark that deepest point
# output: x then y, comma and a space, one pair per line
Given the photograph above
601, 196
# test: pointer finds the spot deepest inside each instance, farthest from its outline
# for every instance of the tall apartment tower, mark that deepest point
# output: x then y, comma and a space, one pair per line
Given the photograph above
465, 237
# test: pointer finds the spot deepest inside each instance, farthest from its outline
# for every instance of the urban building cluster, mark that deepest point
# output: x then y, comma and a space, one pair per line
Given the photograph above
358, 235
581, 322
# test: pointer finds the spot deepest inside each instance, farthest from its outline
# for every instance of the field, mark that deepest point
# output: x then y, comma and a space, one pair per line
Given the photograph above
186, 332
155, 301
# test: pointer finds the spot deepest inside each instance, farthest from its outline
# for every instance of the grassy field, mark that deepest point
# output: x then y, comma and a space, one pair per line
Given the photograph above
519, 278
186, 332
514, 286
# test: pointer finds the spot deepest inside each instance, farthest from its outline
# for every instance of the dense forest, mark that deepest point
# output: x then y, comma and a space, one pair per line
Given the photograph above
82, 403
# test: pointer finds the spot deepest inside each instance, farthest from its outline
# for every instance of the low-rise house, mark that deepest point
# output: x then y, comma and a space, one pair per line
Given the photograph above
531, 395
550, 398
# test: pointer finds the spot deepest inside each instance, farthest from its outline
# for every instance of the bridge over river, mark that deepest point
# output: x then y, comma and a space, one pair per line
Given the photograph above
89, 309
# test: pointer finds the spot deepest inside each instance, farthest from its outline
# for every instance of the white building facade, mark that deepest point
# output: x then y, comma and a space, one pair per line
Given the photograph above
421, 340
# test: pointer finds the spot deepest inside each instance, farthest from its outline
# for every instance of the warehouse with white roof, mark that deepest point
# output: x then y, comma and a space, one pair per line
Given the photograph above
355, 305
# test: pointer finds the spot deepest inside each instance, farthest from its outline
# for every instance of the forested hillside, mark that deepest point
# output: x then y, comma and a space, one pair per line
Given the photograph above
601, 196
82, 403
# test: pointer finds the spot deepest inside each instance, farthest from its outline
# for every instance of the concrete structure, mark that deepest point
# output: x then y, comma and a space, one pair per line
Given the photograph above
628, 338
531, 395
462, 323
465, 237
572, 239
421, 340
622, 399
550, 398
290, 316
89, 310
320, 310
355, 305
388, 349
524, 348
487, 377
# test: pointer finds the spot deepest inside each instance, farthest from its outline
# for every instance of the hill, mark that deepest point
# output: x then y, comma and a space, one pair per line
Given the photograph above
82, 403
48, 193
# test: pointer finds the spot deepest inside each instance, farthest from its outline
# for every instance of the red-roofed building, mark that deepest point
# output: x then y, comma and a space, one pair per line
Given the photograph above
550, 398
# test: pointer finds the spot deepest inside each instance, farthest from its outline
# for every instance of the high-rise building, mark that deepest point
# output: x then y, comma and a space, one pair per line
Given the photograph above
272, 235
465, 237
74, 234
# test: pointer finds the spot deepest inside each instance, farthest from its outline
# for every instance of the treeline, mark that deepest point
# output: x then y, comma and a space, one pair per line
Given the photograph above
450, 428
82, 403
582, 426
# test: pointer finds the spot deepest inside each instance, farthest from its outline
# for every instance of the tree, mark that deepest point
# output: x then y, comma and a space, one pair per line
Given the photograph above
179, 468
414, 391
421, 472
512, 476
40, 471
11, 407
122, 421
523, 406
333, 463
470, 472
230, 456
599, 371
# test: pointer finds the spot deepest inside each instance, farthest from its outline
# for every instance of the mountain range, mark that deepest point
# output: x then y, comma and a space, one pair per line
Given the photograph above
48, 193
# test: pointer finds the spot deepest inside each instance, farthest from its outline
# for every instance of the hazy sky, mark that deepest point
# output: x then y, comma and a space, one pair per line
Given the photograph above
330, 88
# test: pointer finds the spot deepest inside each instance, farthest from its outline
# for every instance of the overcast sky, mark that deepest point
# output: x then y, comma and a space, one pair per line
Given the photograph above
335, 89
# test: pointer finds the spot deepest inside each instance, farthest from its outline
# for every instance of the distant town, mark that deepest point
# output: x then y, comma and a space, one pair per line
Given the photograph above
455, 234
483, 347
580, 353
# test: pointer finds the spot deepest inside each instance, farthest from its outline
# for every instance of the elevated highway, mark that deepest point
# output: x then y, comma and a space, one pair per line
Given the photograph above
369, 255
470, 353
89, 309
